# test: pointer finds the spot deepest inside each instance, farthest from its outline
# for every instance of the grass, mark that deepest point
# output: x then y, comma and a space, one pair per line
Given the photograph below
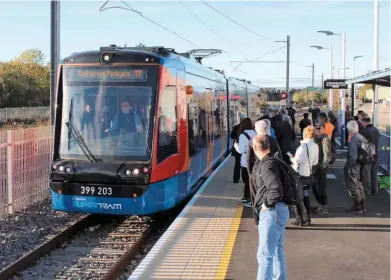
13, 124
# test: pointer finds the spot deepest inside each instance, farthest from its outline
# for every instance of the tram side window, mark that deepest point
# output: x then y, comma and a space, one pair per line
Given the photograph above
192, 127
217, 115
167, 131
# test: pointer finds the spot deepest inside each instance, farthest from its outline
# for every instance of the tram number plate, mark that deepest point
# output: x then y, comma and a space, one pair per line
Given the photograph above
96, 191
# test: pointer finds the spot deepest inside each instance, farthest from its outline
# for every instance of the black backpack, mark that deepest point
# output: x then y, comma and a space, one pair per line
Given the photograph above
367, 153
290, 191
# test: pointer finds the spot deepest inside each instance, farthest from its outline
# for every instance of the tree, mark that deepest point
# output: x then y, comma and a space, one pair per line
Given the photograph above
25, 80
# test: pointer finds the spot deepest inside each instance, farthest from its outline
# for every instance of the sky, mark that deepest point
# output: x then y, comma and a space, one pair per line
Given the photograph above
26, 24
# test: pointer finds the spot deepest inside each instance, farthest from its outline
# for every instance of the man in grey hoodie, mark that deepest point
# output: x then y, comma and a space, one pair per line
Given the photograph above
352, 169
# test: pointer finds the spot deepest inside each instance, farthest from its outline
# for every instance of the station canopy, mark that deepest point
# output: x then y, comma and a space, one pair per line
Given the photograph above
379, 78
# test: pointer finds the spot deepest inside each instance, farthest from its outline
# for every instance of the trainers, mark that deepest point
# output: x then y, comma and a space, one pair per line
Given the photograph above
322, 209
248, 204
354, 210
243, 200
316, 207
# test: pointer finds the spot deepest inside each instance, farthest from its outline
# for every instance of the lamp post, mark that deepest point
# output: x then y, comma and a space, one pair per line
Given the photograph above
341, 69
354, 75
288, 46
375, 60
354, 64
331, 72
342, 92
54, 54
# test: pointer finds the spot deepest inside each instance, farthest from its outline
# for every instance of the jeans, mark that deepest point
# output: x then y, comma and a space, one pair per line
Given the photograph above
271, 257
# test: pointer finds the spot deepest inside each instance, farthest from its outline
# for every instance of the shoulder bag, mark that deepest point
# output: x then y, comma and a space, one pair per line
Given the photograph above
310, 180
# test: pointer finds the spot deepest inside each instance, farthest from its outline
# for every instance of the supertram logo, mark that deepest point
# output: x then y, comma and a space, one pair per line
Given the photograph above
97, 205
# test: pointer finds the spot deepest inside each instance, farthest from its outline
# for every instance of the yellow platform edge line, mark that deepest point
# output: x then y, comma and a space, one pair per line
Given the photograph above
228, 248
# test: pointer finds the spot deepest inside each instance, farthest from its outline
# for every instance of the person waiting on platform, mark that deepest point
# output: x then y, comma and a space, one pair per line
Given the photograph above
352, 169
237, 156
304, 162
369, 171
328, 127
261, 128
126, 120
287, 139
246, 133
273, 213
320, 188
315, 113
304, 123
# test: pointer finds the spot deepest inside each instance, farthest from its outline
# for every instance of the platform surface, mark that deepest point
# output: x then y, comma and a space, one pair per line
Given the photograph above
336, 246
215, 238
198, 244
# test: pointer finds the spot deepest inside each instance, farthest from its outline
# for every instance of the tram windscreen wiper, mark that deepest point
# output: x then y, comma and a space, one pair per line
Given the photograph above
80, 141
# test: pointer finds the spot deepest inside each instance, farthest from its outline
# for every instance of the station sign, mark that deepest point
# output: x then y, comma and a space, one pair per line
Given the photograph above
335, 84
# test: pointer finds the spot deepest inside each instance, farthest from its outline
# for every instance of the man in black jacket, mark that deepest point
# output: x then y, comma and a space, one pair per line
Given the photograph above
272, 212
369, 171
237, 168
262, 128
352, 169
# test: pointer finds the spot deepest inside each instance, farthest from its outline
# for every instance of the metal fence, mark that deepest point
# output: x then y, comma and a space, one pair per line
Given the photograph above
384, 154
24, 113
25, 157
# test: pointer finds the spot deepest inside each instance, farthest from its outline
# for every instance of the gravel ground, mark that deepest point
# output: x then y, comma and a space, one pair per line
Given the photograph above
25, 230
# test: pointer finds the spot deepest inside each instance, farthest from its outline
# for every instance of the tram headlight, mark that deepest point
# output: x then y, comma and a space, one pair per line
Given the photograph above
145, 170
128, 172
136, 171
61, 168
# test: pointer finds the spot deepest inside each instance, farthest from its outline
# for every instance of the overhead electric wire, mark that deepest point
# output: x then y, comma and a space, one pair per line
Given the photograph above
237, 23
263, 55
203, 23
150, 20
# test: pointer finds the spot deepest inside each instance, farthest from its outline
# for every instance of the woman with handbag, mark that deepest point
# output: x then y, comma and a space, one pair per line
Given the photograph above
305, 162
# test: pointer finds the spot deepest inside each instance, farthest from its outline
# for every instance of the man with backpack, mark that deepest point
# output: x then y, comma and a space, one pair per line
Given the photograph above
320, 188
357, 155
272, 209
369, 171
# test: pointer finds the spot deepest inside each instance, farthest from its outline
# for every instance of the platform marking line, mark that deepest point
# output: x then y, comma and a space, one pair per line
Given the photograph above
229, 245
170, 232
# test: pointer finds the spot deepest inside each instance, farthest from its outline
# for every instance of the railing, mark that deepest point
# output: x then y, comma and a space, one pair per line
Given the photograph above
24, 113
384, 153
25, 157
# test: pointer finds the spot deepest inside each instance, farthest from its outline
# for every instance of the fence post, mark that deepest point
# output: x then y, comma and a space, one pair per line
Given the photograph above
9, 171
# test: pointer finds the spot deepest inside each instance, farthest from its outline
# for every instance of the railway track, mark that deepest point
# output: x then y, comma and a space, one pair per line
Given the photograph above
94, 248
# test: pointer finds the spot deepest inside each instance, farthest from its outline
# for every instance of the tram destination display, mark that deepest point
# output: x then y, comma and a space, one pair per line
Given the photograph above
108, 74
335, 84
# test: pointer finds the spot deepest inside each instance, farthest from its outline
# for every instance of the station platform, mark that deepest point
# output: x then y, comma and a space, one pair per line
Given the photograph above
214, 237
